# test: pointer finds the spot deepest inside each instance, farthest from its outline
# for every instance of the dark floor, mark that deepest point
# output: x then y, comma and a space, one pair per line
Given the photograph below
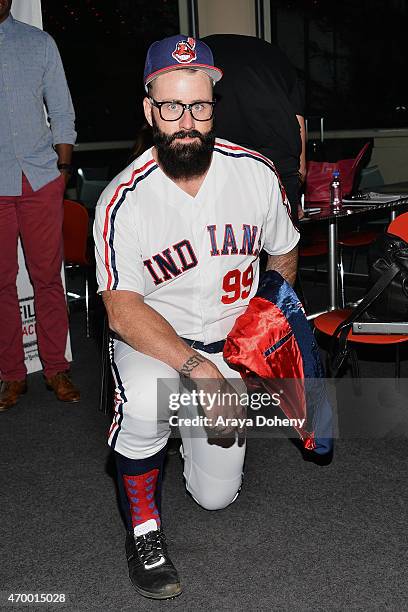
299, 537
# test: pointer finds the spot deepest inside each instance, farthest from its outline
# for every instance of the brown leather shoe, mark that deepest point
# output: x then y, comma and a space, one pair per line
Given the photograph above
10, 393
63, 387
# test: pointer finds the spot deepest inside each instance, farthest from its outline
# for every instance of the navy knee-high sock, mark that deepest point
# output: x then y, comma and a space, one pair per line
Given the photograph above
139, 484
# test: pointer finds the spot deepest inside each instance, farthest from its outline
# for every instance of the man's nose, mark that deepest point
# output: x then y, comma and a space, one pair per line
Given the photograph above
187, 121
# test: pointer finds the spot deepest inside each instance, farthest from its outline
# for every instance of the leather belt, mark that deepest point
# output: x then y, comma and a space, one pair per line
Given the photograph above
214, 347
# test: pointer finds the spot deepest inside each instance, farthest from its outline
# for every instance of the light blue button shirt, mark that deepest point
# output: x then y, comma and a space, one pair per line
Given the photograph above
31, 75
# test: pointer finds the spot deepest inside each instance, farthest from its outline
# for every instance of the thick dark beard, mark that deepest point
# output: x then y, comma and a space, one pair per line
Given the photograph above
184, 161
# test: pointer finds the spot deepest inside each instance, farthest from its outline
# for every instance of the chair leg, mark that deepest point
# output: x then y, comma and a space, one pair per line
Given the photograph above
355, 367
88, 333
397, 361
355, 373
353, 260
328, 366
341, 278
106, 386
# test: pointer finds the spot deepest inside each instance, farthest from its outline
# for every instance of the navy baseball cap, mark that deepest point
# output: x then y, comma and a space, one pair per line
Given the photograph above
179, 51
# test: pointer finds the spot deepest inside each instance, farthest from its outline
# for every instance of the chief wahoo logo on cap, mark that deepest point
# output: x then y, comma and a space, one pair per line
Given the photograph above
184, 52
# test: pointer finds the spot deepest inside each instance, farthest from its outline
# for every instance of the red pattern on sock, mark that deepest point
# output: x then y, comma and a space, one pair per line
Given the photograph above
140, 491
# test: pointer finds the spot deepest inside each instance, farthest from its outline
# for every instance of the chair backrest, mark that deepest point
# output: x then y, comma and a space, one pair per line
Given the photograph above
399, 226
75, 232
90, 184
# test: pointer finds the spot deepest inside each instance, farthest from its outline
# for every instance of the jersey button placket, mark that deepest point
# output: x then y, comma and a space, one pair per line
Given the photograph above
197, 289
206, 294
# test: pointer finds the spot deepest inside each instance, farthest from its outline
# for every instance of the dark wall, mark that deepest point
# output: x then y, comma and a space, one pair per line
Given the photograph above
353, 57
103, 45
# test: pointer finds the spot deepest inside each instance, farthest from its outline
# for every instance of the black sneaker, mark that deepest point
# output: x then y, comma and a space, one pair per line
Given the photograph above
150, 570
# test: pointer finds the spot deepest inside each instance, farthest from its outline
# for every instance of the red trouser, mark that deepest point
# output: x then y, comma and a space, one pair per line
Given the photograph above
37, 216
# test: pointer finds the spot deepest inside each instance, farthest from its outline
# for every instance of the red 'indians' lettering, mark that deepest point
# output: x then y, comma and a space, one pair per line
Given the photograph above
164, 266
230, 245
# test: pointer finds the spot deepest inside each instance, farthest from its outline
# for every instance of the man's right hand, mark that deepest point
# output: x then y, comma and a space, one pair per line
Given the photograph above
148, 332
220, 403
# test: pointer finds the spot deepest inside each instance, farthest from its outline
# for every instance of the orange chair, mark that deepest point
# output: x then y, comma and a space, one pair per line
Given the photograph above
313, 250
316, 245
328, 322
313, 243
75, 238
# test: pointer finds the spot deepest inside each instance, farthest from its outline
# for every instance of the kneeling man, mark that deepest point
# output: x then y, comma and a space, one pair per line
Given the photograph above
178, 236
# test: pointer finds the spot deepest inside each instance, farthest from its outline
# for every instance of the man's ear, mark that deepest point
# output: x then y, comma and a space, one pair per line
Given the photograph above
147, 107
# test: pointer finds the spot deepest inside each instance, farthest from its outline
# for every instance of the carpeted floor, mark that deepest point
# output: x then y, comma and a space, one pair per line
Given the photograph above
299, 536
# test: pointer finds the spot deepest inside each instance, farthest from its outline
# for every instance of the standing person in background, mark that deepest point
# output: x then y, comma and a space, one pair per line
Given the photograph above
35, 164
260, 105
144, 140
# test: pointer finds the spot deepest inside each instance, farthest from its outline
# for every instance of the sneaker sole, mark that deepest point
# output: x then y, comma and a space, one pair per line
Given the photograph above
156, 595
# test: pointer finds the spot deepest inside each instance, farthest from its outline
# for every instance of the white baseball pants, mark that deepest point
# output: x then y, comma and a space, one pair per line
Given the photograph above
140, 426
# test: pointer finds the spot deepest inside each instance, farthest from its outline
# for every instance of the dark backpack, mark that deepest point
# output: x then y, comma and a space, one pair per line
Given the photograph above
387, 297
392, 303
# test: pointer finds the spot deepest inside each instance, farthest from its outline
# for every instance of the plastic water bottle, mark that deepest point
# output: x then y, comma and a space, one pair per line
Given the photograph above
336, 201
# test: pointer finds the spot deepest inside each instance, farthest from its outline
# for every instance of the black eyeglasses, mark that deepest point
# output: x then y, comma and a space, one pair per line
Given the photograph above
173, 111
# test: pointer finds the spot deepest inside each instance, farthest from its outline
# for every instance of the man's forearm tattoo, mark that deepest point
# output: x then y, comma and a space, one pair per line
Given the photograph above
191, 363
286, 265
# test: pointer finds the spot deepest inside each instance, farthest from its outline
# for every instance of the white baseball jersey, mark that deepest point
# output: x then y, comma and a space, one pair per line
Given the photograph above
194, 259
